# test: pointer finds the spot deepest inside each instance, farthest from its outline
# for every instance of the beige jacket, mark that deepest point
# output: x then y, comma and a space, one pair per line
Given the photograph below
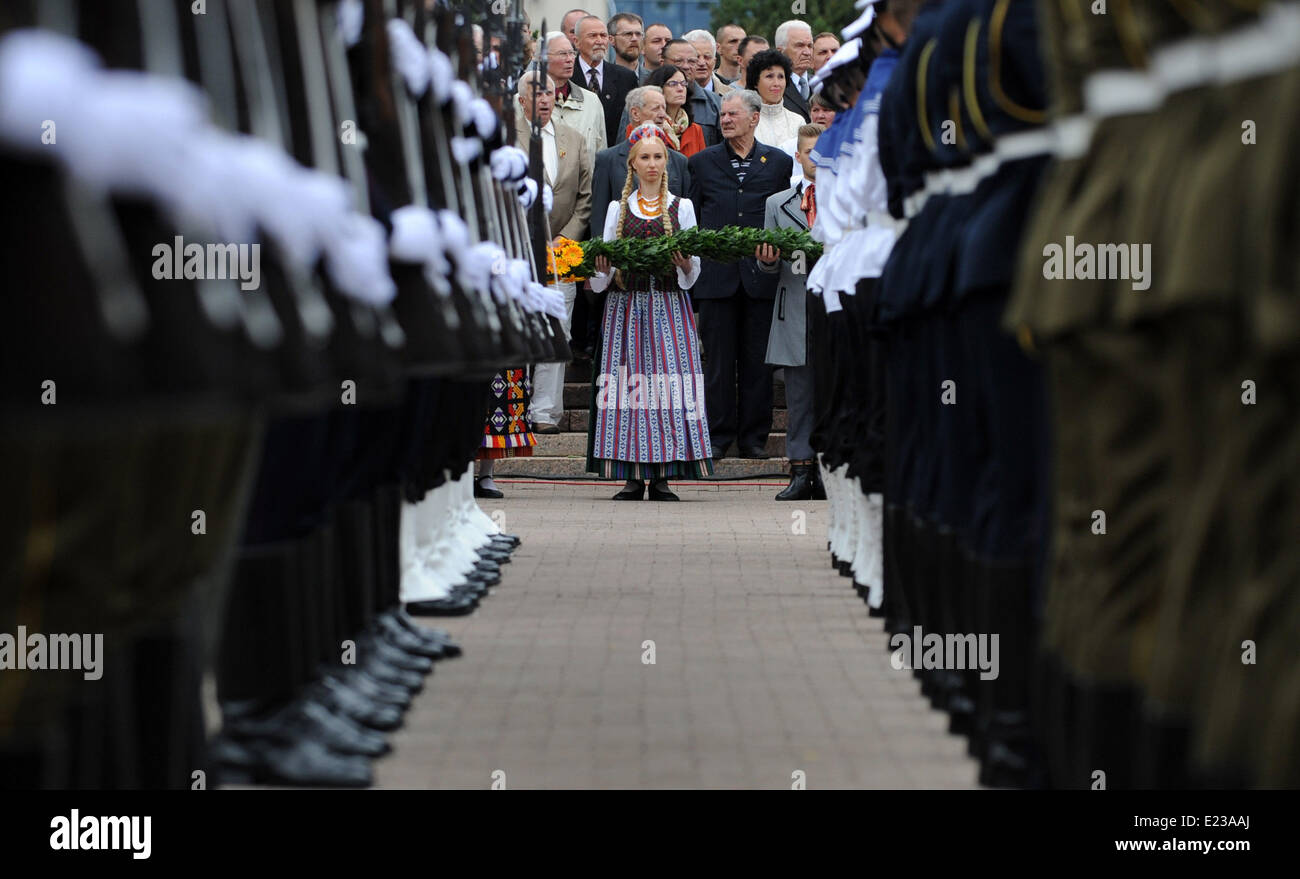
583, 112
571, 209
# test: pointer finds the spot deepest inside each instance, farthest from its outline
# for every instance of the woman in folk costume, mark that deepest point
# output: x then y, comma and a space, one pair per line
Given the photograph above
648, 420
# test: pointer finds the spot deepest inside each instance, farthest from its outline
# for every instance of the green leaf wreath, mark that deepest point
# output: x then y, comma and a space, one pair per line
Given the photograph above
654, 256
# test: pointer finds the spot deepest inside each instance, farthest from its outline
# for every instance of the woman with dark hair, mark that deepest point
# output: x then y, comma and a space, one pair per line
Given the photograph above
684, 135
767, 74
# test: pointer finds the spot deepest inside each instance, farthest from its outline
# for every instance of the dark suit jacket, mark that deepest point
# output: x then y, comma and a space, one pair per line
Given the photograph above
795, 103
720, 199
615, 83
611, 173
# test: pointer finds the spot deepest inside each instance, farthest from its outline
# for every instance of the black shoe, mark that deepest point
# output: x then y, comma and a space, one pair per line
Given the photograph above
387, 673
802, 482
482, 578
434, 636
488, 554
304, 719
631, 494
754, 452
433, 639
819, 487
441, 607
299, 762
507, 540
342, 699
487, 566
371, 687
399, 636
659, 491
472, 590
394, 655
484, 487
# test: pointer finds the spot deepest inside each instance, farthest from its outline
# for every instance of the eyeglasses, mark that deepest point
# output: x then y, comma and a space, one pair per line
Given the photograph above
676, 82
569, 54
634, 34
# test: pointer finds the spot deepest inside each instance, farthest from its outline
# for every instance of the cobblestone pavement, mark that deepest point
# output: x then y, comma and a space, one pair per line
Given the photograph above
765, 663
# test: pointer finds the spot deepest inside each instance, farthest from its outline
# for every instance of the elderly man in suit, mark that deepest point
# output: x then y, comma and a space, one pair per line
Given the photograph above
568, 171
730, 185
609, 81
787, 345
795, 39
707, 48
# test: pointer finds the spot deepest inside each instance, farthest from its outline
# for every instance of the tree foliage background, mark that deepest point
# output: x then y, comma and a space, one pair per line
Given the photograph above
761, 17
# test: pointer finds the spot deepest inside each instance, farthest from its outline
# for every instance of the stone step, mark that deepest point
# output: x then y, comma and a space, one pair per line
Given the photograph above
572, 443
579, 420
565, 467
577, 395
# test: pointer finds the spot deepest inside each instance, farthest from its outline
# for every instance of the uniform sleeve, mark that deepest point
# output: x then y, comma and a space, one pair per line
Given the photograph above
600, 281
686, 216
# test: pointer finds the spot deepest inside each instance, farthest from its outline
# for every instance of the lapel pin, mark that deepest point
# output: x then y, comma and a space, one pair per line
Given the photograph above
763, 159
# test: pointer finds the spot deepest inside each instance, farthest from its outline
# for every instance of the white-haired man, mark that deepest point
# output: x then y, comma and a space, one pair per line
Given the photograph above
703, 74
568, 171
609, 82
795, 39
576, 107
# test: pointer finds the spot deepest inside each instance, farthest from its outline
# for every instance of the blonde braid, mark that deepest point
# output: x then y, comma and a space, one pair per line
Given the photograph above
622, 200
663, 200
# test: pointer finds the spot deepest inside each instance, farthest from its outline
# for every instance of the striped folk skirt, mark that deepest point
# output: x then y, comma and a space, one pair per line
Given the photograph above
648, 419
507, 432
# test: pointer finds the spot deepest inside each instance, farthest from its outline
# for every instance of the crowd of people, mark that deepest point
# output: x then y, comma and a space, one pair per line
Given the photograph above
731, 111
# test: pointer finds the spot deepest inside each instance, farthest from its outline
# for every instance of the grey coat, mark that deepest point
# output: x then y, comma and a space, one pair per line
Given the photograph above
787, 343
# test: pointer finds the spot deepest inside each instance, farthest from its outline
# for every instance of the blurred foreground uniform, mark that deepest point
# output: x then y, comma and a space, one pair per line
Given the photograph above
1145, 612
246, 482
1094, 285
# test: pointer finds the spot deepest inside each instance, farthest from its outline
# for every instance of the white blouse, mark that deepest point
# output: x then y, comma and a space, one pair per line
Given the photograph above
686, 219
776, 125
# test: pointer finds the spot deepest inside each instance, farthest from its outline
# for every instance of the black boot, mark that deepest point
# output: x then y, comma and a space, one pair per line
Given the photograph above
659, 491
958, 698
633, 491
803, 480
1011, 752
819, 487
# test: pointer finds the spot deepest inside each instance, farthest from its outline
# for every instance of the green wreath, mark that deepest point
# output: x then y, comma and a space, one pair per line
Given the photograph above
654, 256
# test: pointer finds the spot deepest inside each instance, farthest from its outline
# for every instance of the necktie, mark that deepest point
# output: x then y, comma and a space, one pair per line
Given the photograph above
808, 204
803, 86
593, 80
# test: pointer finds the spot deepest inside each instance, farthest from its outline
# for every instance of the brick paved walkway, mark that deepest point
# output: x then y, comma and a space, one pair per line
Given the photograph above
766, 663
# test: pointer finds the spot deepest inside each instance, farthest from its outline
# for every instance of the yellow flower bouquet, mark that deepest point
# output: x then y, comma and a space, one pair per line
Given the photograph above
563, 258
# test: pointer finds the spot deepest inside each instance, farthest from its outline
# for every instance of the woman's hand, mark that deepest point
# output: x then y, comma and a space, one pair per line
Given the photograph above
682, 262
602, 265
767, 253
